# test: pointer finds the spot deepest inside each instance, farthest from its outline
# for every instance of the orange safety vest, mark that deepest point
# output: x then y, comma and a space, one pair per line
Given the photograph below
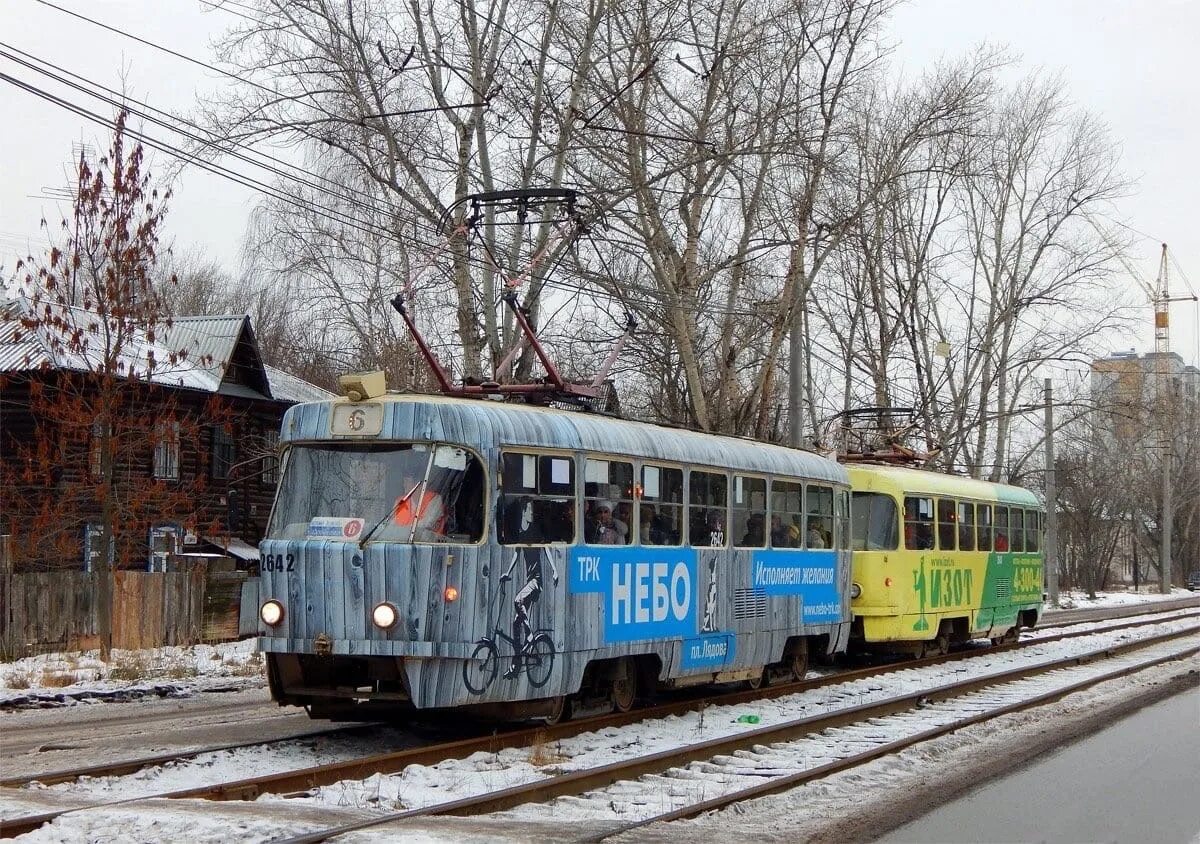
405, 516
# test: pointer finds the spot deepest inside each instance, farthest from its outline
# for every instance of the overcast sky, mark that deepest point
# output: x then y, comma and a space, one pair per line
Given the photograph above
1132, 63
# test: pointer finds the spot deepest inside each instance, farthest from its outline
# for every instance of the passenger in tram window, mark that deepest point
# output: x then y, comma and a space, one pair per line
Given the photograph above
716, 528
653, 530
918, 535
815, 538
755, 536
779, 532
559, 520
623, 519
1001, 541
604, 528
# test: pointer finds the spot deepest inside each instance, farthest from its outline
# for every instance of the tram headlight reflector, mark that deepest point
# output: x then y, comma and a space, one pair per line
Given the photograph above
384, 616
271, 613
855, 590
451, 594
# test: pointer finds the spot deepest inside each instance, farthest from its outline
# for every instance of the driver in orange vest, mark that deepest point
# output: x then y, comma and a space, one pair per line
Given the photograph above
427, 517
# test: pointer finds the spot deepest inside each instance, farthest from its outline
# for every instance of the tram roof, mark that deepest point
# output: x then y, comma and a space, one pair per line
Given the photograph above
904, 479
488, 424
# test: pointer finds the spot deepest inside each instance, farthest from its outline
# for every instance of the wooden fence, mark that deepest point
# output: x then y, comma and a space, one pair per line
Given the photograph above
51, 611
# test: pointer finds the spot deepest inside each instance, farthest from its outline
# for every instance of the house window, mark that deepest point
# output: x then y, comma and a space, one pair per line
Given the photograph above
100, 432
91, 547
224, 453
164, 541
270, 464
166, 451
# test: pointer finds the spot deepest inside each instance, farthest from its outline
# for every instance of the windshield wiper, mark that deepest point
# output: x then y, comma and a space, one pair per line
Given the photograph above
391, 511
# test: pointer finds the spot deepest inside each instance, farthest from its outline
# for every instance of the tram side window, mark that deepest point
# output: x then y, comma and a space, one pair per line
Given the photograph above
749, 512
966, 526
1033, 530
985, 527
708, 516
787, 510
842, 518
660, 516
874, 522
1017, 529
918, 522
537, 499
947, 524
607, 502
1002, 544
819, 530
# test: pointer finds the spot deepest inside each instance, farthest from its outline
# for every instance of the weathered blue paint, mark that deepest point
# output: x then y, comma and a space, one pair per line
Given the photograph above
740, 606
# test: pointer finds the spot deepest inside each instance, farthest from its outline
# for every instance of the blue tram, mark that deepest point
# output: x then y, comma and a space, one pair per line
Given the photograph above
428, 552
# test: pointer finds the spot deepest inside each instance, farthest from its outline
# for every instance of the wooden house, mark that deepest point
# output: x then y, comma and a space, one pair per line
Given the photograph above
225, 466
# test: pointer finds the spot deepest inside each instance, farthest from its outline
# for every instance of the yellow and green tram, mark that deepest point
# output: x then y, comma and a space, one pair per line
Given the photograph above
940, 559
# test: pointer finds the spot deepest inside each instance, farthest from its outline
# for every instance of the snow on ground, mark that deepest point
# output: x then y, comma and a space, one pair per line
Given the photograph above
193, 669
62, 679
420, 785
1076, 599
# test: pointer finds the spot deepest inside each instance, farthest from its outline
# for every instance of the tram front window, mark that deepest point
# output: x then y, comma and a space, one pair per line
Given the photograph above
874, 522
393, 493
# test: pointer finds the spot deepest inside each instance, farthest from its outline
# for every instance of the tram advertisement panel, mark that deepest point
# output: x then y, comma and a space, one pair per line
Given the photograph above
649, 593
810, 574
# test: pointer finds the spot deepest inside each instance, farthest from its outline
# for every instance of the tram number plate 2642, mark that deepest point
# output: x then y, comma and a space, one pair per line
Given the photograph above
279, 562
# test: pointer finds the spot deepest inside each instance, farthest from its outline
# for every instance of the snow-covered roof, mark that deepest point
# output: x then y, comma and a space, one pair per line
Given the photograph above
23, 348
202, 346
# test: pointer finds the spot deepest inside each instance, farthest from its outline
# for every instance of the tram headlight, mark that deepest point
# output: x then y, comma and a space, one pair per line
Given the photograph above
855, 590
271, 613
384, 616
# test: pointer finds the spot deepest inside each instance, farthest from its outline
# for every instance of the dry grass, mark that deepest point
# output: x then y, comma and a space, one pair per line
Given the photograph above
253, 666
19, 680
542, 754
57, 679
129, 666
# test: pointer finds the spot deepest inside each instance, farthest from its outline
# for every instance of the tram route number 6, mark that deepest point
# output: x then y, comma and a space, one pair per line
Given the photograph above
279, 562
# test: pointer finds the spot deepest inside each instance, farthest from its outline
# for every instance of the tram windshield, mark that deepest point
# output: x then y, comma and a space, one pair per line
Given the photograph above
874, 522
398, 492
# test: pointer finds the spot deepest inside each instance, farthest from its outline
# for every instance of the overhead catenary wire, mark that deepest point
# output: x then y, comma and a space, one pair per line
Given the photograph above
335, 216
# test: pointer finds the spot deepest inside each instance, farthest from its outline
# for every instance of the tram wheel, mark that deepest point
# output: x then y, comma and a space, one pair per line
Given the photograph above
797, 659
561, 711
756, 683
624, 685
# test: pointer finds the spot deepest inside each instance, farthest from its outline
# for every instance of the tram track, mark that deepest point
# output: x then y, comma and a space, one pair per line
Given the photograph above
763, 753
300, 781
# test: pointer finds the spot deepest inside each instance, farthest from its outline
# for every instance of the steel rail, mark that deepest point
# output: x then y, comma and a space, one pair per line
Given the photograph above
785, 782
132, 766
579, 782
307, 778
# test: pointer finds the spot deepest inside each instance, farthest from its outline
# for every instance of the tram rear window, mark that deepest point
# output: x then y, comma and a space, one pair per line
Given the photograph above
401, 492
874, 522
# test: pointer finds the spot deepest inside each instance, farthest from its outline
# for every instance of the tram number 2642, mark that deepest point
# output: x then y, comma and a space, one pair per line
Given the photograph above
279, 562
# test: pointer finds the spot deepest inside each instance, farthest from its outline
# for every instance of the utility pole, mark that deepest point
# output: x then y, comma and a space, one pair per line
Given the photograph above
797, 376
1050, 550
1168, 520
1162, 394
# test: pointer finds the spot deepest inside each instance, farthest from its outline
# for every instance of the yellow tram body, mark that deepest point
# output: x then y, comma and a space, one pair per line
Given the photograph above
941, 559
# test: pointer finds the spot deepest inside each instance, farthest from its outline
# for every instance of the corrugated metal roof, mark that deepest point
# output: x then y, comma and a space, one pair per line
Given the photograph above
209, 341
938, 483
485, 424
287, 387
